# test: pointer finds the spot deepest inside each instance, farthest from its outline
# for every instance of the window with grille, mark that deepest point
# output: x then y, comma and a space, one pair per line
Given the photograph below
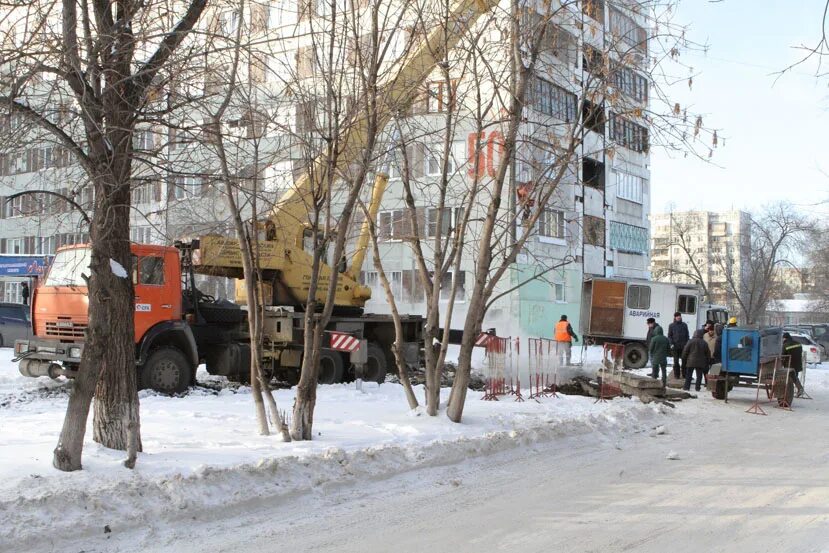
551, 99
639, 297
551, 223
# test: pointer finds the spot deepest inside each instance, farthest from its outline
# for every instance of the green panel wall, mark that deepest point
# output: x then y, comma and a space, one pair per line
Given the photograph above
537, 309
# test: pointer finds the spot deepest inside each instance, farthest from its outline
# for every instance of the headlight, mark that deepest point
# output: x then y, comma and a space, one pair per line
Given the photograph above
75, 353
21, 346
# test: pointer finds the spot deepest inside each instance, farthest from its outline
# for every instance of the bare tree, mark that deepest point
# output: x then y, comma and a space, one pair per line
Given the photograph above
99, 62
527, 136
777, 234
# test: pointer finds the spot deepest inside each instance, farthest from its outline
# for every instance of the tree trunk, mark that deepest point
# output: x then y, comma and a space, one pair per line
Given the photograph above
472, 326
306, 391
116, 396
67, 454
110, 344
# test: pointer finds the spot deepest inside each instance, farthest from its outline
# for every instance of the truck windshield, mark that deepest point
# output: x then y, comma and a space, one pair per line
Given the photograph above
67, 267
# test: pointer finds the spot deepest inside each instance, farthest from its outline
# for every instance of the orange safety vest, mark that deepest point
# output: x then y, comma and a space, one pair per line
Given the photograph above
561, 332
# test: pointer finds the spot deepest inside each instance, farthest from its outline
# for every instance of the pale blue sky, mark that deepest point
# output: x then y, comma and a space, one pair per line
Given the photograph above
776, 145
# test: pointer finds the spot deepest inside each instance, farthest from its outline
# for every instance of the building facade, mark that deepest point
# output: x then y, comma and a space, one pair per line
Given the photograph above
704, 247
591, 76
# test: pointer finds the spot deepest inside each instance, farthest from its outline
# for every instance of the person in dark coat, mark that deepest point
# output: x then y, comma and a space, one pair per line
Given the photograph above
695, 357
652, 326
793, 355
24, 292
678, 336
659, 355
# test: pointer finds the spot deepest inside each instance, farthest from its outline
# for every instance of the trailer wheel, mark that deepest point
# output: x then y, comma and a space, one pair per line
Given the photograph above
636, 356
719, 389
166, 371
332, 367
376, 367
788, 395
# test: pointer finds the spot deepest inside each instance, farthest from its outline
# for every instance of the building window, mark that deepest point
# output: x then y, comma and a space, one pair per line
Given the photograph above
551, 223
141, 235
551, 99
144, 140
628, 134
626, 29
687, 304
630, 83
639, 297
594, 231
187, 187
442, 222
558, 290
592, 173
396, 283
393, 225
440, 97
593, 117
434, 164
630, 187
593, 61
14, 245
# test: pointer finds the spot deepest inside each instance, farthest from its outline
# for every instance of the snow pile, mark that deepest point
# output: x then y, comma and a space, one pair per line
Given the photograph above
202, 451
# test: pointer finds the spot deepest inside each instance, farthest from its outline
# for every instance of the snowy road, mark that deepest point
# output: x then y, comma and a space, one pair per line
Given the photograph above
741, 483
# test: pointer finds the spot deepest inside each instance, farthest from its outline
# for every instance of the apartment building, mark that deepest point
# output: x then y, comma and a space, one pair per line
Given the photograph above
592, 75
702, 246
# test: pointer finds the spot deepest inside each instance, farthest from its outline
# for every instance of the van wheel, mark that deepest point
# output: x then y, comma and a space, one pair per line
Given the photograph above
166, 371
332, 367
376, 367
636, 356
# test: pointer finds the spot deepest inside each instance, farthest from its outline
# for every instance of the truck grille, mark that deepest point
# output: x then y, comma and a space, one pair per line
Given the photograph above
65, 329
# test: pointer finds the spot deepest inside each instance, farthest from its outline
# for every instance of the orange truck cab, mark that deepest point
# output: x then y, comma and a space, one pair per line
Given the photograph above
175, 324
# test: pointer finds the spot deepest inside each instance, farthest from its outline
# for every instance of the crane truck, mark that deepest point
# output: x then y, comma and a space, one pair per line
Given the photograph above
177, 327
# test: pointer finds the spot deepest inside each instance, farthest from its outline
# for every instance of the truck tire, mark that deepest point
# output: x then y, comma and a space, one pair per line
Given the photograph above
166, 371
332, 367
636, 356
376, 367
216, 313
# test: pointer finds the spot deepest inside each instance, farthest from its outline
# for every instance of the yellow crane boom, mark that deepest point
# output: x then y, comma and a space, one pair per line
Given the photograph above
282, 250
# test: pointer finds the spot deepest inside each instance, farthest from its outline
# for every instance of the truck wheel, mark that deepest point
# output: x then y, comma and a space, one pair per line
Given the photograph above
376, 367
166, 371
331, 367
636, 356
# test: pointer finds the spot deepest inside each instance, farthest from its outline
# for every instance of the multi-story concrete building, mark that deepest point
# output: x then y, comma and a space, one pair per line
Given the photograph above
702, 247
592, 75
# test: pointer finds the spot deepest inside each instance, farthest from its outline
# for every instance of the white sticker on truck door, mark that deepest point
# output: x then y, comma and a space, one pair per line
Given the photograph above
143, 307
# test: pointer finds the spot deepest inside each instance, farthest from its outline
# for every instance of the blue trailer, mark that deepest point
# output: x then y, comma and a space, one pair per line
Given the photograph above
752, 356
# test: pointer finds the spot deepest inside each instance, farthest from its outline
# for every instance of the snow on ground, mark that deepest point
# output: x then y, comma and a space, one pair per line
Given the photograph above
202, 453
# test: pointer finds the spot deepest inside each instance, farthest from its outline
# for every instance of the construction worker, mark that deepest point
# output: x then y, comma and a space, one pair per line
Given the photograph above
564, 337
793, 358
732, 322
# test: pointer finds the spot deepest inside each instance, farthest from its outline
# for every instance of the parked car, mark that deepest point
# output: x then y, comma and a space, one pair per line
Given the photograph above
817, 332
15, 323
811, 349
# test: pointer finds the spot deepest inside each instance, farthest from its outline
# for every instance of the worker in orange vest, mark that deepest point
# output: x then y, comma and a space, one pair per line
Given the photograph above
564, 336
